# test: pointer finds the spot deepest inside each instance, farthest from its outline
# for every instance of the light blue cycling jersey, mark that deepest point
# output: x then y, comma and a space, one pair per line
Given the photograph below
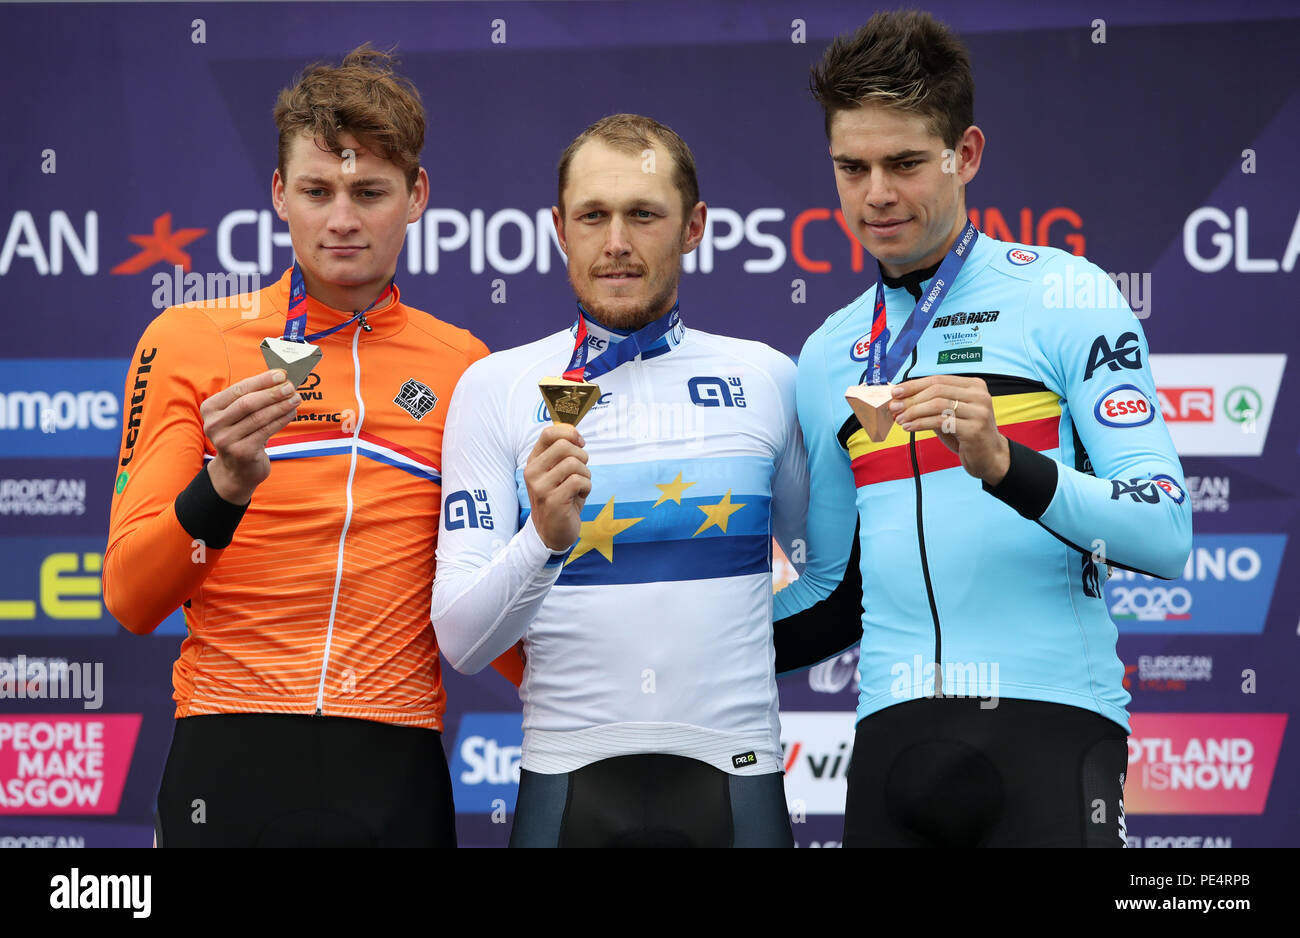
996, 591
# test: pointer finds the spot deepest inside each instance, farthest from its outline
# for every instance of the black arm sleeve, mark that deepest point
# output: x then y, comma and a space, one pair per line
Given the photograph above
825, 628
206, 515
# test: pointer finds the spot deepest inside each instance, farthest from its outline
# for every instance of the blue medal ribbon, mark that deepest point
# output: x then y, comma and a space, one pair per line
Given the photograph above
618, 353
887, 361
295, 325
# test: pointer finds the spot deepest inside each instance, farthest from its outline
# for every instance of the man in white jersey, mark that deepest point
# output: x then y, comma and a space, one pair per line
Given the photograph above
632, 556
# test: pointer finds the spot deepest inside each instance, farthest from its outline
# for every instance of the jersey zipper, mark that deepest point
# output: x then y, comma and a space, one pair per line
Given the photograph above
347, 521
925, 560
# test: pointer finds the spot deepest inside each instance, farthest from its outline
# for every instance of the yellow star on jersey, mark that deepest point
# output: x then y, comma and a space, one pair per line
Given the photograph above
719, 514
672, 491
600, 533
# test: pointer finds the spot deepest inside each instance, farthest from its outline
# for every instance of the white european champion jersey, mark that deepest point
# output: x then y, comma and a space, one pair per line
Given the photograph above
653, 633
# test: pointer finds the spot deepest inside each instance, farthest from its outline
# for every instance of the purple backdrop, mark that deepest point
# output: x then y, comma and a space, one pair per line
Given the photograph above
1165, 153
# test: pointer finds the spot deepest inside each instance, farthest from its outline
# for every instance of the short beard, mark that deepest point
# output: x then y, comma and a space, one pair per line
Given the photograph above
625, 319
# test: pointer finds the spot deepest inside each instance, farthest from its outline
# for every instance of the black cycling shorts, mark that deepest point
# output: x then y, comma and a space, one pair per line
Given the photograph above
651, 800
281, 780
943, 772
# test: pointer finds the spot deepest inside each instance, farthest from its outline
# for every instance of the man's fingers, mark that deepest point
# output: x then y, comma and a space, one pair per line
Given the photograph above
223, 399
247, 405
556, 431
541, 463
557, 475
233, 434
917, 385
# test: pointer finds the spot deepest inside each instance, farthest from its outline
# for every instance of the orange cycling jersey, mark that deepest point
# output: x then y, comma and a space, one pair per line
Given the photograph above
315, 599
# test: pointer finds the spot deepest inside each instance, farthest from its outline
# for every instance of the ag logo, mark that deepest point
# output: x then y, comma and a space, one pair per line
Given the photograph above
860, 348
1140, 490
1020, 257
1124, 406
1242, 404
1126, 354
415, 398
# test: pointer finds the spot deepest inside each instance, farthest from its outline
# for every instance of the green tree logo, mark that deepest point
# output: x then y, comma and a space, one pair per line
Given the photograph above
1243, 404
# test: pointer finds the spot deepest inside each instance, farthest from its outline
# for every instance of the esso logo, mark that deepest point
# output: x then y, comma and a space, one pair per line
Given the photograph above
1020, 257
1170, 487
1124, 406
860, 348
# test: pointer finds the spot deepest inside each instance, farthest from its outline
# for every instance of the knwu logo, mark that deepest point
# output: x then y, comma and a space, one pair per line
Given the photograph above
461, 510
716, 392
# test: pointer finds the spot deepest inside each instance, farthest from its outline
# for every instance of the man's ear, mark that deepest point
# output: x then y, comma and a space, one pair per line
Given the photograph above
277, 195
419, 197
558, 221
694, 231
970, 150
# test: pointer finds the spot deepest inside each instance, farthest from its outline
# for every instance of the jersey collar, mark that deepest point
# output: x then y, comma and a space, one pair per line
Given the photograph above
600, 336
384, 320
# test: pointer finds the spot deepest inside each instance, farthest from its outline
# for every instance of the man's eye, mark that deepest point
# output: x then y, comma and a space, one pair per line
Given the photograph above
849, 169
643, 213
908, 164
372, 193
315, 193
589, 216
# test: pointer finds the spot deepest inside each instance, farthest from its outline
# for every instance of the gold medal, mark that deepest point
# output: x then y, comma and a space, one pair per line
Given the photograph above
568, 401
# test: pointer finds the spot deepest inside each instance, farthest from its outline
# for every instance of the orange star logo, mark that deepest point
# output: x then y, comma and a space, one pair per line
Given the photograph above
163, 245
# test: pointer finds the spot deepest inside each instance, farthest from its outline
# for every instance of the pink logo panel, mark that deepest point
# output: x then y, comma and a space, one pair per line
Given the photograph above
54, 763
1201, 763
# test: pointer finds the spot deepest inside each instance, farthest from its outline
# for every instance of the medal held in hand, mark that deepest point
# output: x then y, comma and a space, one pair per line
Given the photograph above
870, 399
296, 358
568, 401
569, 398
292, 352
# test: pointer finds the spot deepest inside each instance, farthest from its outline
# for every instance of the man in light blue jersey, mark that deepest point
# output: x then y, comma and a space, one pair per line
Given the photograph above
1026, 452
633, 557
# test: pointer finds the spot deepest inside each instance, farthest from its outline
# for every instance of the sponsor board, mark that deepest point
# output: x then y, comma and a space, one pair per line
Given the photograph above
1167, 672
485, 762
57, 763
61, 407
51, 832
815, 749
52, 586
1209, 493
1201, 763
837, 674
1179, 841
1225, 589
1218, 405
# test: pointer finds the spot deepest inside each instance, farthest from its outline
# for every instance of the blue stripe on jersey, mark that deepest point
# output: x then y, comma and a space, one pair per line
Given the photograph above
670, 561
640, 481
418, 472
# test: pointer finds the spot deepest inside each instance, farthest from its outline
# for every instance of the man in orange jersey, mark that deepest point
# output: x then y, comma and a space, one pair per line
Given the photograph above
308, 692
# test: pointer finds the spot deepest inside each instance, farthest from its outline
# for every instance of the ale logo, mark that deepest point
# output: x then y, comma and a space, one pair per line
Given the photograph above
1242, 403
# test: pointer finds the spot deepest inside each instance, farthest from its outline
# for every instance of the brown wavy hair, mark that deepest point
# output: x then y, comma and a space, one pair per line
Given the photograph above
362, 97
632, 133
906, 60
